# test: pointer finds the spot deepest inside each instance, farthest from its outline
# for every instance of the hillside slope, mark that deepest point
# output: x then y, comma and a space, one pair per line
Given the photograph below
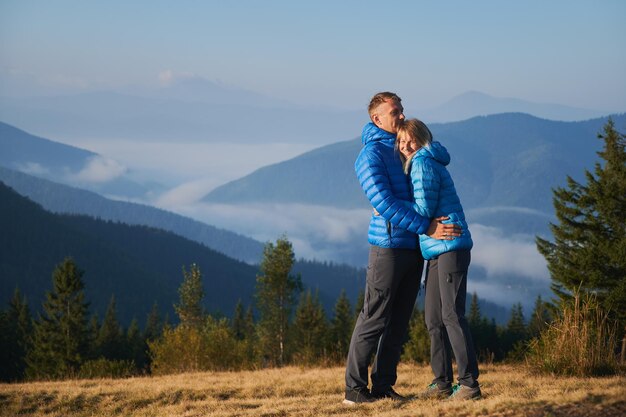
501, 160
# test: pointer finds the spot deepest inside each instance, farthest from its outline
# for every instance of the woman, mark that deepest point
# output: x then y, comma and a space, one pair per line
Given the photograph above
448, 263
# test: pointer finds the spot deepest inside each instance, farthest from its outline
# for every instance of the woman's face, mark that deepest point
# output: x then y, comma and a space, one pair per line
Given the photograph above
406, 145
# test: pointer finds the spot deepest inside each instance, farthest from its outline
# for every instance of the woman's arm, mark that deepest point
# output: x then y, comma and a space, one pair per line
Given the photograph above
426, 183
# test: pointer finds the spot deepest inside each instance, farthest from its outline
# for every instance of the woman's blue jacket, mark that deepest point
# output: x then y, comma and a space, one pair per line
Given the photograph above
434, 195
379, 170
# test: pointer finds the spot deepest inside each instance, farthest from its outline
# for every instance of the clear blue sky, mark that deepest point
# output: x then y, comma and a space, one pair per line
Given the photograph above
569, 52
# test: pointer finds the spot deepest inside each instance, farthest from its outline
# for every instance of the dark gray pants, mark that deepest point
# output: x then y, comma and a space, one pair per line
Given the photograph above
444, 311
392, 284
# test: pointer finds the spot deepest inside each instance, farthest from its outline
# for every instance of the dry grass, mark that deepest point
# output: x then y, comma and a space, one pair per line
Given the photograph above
508, 391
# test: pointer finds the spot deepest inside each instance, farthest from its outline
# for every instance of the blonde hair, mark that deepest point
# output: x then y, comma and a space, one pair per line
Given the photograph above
417, 131
379, 99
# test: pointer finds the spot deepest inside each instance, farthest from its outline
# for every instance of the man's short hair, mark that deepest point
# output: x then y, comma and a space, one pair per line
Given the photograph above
379, 99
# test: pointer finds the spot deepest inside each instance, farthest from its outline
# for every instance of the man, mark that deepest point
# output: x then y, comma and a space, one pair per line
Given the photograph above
395, 263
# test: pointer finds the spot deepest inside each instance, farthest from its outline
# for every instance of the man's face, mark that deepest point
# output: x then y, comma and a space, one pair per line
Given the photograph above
388, 115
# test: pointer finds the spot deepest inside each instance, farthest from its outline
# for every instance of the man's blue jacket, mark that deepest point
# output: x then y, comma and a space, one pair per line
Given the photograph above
387, 187
435, 196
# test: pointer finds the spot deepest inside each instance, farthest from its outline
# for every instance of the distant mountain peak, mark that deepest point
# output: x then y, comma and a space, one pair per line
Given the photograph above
475, 103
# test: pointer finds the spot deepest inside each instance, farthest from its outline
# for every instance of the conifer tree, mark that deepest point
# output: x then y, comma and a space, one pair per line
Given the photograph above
417, 349
191, 292
515, 331
341, 327
589, 249
479, 326
360, 301
250, 337
154, 326
540, 318
310, 328
135, 347
474, 317
276, 294
239, 322
15, 338
61, 343
110, 340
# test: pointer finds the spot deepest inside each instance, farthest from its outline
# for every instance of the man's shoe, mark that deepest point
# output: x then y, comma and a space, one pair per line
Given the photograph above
434, 391
358, 396
461, 392
388, 393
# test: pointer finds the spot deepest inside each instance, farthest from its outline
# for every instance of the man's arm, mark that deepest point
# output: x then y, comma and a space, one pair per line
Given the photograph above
374, 180
372, 175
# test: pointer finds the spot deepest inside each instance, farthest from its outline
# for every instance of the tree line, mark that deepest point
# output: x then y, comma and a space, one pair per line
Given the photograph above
576, 333
286, 325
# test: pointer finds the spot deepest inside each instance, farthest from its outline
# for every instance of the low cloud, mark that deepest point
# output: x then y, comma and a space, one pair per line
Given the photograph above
505, 268
99, 170
33, 168
179, 164
496, 252
307, 226
185, 194
502, 254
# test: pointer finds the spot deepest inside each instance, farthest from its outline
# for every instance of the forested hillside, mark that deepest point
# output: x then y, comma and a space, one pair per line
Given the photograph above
61, 198
137, 264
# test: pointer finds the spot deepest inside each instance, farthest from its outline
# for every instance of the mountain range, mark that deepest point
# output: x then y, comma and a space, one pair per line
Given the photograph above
510, 159
197, 109
66, 164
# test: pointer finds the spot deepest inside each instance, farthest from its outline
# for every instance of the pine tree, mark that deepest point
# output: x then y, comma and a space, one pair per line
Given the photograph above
515, 331
341, 327
250, 337
154, 326
135, 347
360, 301
474, 317
276, 294
190, 310
61, 342
239, 322
417, 349
539, 319
15, 335
479, 327
589, 249
110, 340
310, 329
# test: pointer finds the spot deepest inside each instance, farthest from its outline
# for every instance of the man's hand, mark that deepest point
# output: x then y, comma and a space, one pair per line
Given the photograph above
442, 231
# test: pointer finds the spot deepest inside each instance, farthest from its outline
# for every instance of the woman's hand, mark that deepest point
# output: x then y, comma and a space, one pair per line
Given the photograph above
443, 231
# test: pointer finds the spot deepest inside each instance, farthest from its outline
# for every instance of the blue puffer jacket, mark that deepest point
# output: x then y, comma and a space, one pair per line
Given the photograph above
379, 170
434, 195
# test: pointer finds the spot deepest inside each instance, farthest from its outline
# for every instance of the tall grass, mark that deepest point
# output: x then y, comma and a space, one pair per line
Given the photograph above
581, 342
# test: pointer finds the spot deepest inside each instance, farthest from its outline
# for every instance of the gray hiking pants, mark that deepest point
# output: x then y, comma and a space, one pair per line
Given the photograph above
444, 311
392, 283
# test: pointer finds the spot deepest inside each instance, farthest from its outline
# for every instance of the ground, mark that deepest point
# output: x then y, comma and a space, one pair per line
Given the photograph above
508, 390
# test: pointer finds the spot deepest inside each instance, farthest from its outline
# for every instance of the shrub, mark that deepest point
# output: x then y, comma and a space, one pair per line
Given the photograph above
581, 342
106, 368
211, 347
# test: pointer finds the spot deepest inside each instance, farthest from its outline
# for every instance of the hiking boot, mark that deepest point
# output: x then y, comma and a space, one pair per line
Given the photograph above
358, 396
388, 393
462, 392
434, 391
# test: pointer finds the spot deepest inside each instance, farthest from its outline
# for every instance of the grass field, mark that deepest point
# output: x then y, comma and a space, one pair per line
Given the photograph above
507, 391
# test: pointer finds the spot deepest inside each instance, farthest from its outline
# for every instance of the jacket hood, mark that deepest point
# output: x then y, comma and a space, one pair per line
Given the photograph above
372, 133
435, 151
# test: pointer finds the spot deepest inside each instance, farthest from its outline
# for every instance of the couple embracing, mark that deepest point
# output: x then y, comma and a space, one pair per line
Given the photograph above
417, 216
